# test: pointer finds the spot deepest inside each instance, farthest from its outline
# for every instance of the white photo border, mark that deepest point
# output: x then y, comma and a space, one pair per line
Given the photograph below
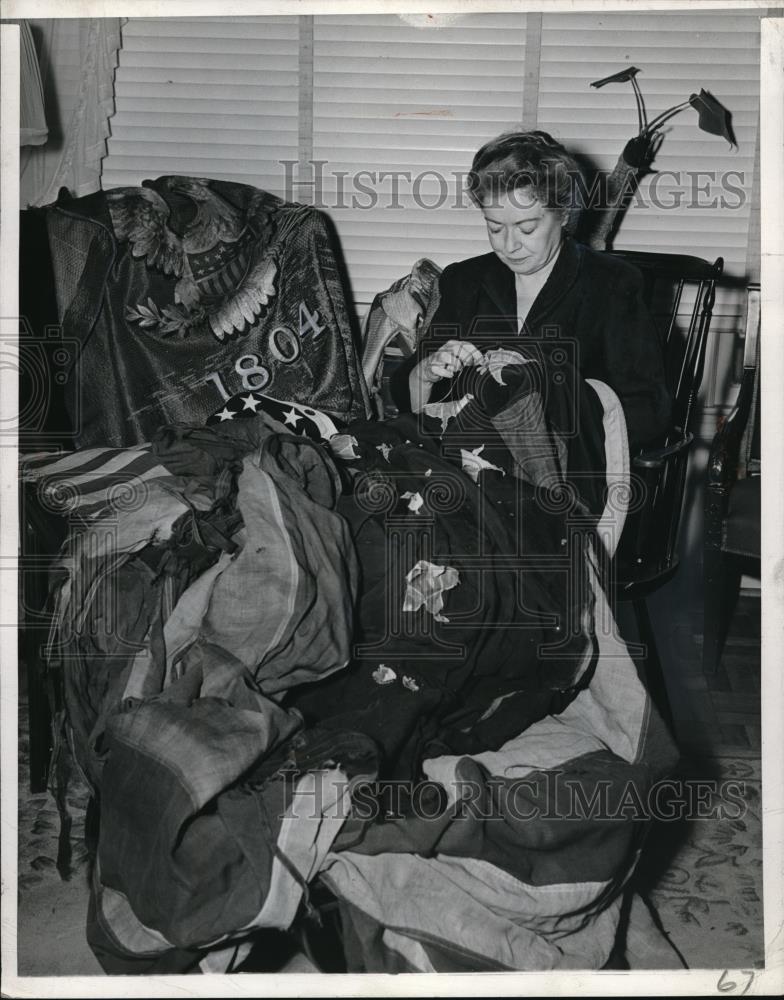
767, 981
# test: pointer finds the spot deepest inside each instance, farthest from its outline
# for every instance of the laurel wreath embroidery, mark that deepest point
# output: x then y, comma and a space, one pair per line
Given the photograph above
170, 320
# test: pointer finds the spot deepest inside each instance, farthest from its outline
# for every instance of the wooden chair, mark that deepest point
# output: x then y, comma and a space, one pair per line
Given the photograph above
732, 499
680, 292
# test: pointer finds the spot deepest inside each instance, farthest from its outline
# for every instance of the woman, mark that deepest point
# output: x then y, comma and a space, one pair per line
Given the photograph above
539, 284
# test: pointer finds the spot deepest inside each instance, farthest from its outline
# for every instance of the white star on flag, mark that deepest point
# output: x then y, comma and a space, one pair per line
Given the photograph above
426, 583
473, 463
385, 449
496, 361
292, 417
226, 414
251, 403
446, 411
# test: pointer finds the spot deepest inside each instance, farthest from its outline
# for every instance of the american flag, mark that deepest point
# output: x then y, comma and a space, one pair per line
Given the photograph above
88, 481
299, 418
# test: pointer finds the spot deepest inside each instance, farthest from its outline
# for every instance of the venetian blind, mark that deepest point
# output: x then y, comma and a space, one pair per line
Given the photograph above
391, 96
362, 95
206, 96
699, 200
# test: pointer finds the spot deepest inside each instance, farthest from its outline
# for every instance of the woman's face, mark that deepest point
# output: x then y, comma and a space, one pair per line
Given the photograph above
523, 233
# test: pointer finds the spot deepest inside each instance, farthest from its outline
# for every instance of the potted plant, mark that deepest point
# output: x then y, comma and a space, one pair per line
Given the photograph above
640, 151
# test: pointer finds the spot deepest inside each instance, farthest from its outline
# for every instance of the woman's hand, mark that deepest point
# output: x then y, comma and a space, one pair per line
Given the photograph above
446, 362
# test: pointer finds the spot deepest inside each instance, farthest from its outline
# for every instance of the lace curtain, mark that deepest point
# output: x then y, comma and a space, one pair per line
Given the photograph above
77, 59
32, 120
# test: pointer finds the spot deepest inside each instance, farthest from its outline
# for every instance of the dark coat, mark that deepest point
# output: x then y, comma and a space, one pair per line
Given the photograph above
591, 305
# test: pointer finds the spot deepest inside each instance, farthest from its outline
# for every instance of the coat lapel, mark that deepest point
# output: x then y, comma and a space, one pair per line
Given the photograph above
496, 308
561, 279
498, 297
499, 287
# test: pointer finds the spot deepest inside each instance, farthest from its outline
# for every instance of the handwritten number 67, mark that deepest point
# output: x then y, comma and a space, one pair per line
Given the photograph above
726, 985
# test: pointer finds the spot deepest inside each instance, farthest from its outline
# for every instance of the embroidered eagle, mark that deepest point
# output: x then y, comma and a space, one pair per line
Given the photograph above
221, 256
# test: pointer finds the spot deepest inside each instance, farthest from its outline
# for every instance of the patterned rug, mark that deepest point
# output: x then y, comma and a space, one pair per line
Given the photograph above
704, 876
39, 824
52, 904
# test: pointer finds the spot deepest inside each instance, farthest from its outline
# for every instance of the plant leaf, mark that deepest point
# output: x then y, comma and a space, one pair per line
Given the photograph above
623, 76
171, 312
713, 117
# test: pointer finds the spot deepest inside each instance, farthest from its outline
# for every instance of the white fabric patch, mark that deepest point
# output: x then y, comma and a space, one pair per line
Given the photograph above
473, 463
446, 411
425, 586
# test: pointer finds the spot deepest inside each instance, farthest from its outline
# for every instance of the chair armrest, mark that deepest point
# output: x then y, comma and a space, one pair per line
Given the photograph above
725, 448
655, 458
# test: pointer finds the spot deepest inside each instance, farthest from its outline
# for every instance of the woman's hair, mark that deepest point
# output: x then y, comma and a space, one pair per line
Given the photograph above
525, 160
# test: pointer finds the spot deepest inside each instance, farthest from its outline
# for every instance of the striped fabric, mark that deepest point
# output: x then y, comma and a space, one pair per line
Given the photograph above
89, 480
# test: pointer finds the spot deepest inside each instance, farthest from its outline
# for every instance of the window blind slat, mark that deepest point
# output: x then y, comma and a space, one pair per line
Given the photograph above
242, 44
391, 96
153, 105
217, 97
223, 67
211, 28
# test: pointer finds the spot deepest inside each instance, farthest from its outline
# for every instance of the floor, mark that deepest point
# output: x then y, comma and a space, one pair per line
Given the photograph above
715, 714
704, 877
717, 723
